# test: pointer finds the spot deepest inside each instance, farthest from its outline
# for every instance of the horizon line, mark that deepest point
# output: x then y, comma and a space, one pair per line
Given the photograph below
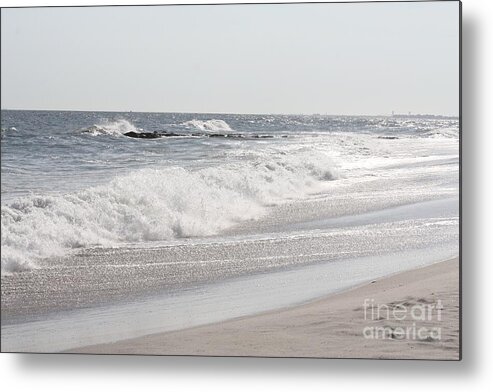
250, 113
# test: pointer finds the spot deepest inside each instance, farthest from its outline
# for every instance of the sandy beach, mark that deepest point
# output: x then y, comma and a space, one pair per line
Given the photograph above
334, 326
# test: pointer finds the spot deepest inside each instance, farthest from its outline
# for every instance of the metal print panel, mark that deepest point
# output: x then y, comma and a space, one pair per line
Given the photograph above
275, 180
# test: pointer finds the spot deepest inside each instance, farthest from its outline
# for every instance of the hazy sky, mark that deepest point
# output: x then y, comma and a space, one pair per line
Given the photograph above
308, 58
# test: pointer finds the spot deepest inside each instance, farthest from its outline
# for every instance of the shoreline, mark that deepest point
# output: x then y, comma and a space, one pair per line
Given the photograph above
95, 274
329, 327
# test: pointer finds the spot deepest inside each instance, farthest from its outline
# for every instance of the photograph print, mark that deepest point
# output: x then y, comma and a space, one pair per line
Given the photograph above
259, 180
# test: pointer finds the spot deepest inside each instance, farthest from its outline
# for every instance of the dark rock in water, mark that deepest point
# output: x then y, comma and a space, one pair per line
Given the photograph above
151, 135
157, 135
143, 135
228, 135
170, 134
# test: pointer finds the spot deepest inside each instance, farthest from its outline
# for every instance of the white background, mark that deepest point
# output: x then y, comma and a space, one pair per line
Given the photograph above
91, 373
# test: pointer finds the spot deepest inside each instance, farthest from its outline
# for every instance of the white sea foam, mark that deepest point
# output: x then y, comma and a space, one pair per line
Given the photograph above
156, 204
9, 129
113, 128
209, 125
446, 132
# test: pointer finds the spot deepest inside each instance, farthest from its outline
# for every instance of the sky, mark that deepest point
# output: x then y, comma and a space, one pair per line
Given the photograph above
353, 59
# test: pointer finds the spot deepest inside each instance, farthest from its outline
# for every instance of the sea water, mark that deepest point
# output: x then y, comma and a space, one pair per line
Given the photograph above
72, 180
106, 237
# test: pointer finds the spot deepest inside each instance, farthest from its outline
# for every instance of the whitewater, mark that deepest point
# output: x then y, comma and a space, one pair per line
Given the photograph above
80, 183
92, 220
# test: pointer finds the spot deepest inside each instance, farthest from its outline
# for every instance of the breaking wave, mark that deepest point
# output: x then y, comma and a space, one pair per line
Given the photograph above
209, 125
7, 130
449, 133
112, 128
156, 204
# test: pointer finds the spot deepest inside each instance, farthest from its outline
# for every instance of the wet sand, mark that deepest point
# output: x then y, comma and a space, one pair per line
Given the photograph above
334, 326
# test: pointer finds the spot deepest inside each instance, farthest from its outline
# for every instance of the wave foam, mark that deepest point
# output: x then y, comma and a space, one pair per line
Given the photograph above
449, 133
155, 204
209, 125
5, 130
111, 128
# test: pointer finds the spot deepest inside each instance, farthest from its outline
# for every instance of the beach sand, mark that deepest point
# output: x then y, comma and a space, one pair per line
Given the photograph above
332, 327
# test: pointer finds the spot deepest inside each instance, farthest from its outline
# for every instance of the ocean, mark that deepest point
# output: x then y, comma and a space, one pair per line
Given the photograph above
92, 218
